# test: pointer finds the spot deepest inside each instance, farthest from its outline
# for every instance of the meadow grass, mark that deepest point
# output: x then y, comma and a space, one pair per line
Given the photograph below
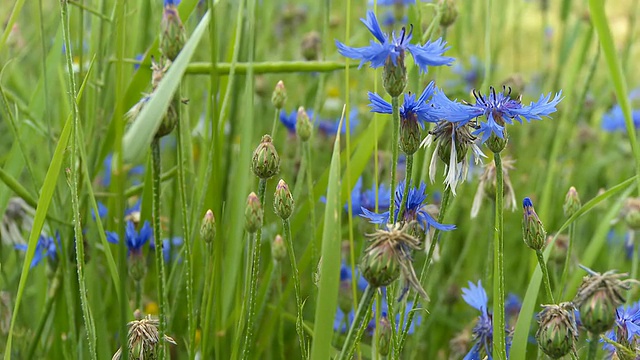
102, 206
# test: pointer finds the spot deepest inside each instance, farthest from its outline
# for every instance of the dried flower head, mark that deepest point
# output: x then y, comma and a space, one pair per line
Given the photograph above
558, 331
143, 338
487, 186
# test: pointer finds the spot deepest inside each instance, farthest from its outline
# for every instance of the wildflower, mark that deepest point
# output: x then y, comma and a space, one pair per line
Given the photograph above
392, 2
558, 331
533, 232
45, 247
499, 109
283, 200
448, 13
108, 169
143, 338
265, 162
383, 339
598, 297
173, 35
471, 76
367, 199
416, 210
631, 213
253, 213
429, 54
627, 325
279, 95
311, 46
134, 240
571, 202
278, 249
331, 127
303, 125
487, 186
102, 211
208, 227
512, 306
476, 296
613, 120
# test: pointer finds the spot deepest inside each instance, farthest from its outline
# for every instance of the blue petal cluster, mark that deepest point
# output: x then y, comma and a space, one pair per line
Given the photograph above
167, 245
415, 209
412, 109
367, 199
483, 331
627, 324
330, 127
106, 178
377, 53
613, 120
45, 247
134, 240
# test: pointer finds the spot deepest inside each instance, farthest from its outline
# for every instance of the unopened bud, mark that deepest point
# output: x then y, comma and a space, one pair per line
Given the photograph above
208, 228
410, 134
283, 200
379, 265
496, 144
170, 119
278, 249
279, 95
533, 232
265, 162
571, 202
253, 213
631, 213
136, 265
448, 13
558, 332
303, 125
172, 35
311, 46
394, 76
383, 336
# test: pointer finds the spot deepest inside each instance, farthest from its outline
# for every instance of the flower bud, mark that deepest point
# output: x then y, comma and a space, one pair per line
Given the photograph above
253, 213
448, 13
379, 265
173, 35
311, 46
410, 135
571, 202
383, 336
265, 162
394, 76
279, 95
136, 265
597, 313
497, 144
303, 125
558, 332
283, 201
278, 249
532, 230
170, 119
208, 228
631, 213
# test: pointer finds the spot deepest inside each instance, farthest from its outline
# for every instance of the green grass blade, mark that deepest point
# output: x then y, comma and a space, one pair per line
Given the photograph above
329, 268
521, 336
138, 139
46, 194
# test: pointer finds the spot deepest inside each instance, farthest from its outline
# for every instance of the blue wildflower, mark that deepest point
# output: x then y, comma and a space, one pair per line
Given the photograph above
106, 178
167, 245
377, 53
102, 211
411, 110
171, 2
415, 209
627, 326
330, 127
483, 331
498, 109
134, 240
367, 199
470, 76
45, 247
613, 120
392, 2
289, 120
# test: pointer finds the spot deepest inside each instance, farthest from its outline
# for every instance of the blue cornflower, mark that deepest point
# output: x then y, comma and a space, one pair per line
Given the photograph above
411, 110
330, 127
347, 275
613, 120
102, 211
46, 246
171, 2
377, 53
391, 2
289, 120
483, 331
367, 198
512, 306
167, 245
498, 109
108, 160
470, 76
627, 326
134, 240
415, 209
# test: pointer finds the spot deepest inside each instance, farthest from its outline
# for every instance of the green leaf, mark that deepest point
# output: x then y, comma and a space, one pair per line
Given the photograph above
137, 140
329, 267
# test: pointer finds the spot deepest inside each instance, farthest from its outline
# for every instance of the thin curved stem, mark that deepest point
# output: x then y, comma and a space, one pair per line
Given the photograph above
545, 277
499, 346
359, 321
567, 261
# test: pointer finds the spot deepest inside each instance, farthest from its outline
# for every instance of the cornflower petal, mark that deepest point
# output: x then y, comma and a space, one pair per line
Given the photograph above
543, 107
378, 104
430, 54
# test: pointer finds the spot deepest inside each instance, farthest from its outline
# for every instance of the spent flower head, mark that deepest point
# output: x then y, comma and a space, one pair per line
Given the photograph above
558, 332
487, 186
143, 338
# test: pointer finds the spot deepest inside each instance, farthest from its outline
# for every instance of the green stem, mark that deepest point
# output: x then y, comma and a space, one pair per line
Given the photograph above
296, 284
188, 259
253, 287
499, 349
157, 234
269, 67
634, 267
275, 124
312, 208
593, 347
395, 108
545, 277
359, 321
206, 334
280, 310
48, 305
425, 267
407, 183
567, 261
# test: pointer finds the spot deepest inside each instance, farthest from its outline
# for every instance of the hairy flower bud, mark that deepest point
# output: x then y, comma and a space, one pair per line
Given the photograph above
136, 265
170, 119
278, 249
283, 200
310, 47
253, 213
558, 332
533, 232
265, 162
571, 202
497, 144
631, 213
208, 228
383, 336
448, 13
394, 76
279, 95
379, 265
410, 135
172, 34
303, 125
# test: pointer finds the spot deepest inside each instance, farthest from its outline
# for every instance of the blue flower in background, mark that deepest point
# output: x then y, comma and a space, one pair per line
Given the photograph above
470, 76
45, 247
367, 199
289, 120
498, 109
330, 127
483, 331
171, 2
106, 178
613, 120
134, 240
377, 53
102, 211
391, 2
415, 209
167, 246
627, 325
415, 110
